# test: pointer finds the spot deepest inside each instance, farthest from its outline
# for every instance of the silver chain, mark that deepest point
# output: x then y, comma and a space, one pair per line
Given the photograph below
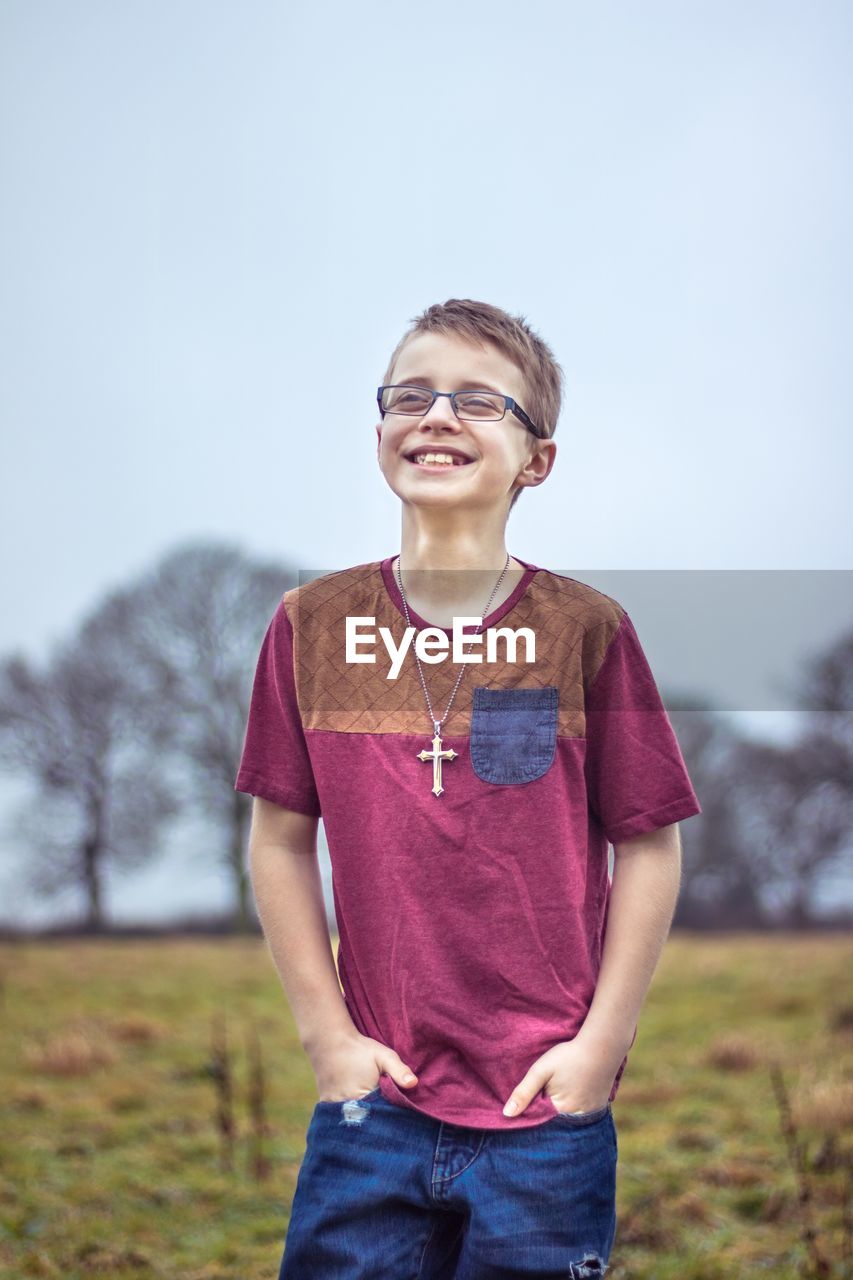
439, 723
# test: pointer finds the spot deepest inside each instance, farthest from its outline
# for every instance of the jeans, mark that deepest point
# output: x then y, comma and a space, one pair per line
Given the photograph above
388, 1193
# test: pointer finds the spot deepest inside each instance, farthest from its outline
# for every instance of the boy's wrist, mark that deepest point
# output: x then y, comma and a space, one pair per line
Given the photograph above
609, 1045
319, 1038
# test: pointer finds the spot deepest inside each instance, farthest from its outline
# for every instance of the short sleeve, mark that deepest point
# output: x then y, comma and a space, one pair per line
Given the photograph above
276, 763
636, 777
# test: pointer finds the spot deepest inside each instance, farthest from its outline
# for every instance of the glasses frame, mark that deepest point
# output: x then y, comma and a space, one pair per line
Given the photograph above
509, 403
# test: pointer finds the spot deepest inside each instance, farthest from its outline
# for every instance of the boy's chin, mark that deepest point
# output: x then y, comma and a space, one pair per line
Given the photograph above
417, 498
433, 483
416, 491
478, 504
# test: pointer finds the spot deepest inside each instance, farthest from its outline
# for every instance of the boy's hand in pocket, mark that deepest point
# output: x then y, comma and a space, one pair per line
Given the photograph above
350, 1066
571, 1074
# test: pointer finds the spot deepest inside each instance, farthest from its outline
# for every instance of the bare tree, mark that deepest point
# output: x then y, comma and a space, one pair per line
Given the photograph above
777, 820
797, 817
722, 878
816, 835
139, 719
72, 731
199, 619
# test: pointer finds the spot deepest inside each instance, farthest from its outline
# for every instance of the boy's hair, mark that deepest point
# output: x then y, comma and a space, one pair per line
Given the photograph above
480, 322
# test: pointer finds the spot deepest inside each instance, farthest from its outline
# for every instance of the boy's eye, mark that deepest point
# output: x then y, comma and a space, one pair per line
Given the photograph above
408, 398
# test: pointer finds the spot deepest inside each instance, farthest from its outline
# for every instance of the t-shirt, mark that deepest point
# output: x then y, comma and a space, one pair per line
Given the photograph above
471, 915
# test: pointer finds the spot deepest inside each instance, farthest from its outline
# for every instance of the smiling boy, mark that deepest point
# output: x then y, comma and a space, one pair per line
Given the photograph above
490, 975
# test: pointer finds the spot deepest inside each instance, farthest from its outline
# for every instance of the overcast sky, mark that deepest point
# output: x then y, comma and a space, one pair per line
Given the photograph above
218, 218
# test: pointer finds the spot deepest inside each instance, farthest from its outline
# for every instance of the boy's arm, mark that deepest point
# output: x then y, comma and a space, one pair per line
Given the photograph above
646, 878
289, 895
643, 896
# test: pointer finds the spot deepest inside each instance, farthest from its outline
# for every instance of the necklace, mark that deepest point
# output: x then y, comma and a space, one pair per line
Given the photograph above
437, 755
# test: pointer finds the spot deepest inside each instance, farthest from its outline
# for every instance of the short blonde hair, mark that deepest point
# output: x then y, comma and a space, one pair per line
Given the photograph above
480, 322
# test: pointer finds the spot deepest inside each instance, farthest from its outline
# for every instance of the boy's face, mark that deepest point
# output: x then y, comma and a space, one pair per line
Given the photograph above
495, 453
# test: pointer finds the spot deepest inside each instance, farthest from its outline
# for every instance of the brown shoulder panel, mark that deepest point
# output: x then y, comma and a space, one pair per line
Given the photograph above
572, 623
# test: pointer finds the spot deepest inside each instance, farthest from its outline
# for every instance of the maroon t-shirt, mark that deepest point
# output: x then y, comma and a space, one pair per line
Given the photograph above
471, 919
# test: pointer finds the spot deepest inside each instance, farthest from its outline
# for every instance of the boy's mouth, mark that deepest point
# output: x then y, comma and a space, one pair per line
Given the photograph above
437, 458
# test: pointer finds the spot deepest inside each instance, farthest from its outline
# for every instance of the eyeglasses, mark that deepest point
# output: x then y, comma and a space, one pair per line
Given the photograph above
469, 406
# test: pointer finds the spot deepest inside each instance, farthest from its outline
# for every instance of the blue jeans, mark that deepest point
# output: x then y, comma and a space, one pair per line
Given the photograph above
388, 1193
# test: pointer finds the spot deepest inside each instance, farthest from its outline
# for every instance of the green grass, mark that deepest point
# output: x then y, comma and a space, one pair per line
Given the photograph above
114, 1169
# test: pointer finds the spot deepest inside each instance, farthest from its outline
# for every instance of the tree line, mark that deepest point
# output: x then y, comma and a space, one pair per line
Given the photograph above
136, 722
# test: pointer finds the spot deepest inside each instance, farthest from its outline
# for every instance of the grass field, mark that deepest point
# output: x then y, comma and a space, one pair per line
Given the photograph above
112, 1157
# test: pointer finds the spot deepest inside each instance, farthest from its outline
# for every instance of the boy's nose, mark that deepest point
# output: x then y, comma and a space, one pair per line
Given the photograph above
441, 410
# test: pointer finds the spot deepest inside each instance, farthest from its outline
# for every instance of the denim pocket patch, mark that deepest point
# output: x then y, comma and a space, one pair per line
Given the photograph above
513, 733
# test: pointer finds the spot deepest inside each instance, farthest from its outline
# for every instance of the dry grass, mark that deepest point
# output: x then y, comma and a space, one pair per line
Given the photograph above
72, 1051
112, 1143
734, 1052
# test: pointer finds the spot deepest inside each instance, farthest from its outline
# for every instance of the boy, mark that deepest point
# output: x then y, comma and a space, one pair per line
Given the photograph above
468, 815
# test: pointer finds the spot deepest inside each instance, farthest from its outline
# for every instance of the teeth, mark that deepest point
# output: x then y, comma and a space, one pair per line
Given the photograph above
439, 457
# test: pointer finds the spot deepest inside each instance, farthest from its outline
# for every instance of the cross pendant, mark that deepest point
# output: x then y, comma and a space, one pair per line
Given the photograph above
436, 756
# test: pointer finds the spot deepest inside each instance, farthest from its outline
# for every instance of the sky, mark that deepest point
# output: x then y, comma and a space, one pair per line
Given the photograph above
218, 219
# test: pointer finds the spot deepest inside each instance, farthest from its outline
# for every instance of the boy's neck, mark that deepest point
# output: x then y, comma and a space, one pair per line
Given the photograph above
446, 578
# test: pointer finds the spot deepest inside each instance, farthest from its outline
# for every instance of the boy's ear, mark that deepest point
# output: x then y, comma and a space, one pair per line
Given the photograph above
542, 459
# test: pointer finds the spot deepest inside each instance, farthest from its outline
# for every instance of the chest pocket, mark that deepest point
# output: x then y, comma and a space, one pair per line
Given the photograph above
513, 733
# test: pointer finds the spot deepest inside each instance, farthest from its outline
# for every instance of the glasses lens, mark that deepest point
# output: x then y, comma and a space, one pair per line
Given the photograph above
479, 404
405, 400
